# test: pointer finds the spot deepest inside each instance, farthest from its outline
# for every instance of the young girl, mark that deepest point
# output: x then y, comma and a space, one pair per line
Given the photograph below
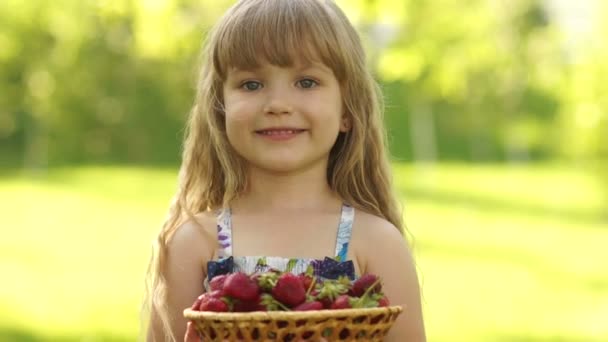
285, 162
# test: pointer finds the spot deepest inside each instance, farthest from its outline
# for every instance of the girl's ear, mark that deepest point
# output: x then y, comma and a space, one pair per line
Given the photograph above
345, 123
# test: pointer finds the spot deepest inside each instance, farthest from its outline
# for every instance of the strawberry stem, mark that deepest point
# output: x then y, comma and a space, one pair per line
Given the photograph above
283, 306
229, 302
312, 285
367, 292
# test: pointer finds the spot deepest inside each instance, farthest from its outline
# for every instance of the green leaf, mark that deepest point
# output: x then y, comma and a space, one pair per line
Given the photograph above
291, 264
262, 262
310, 270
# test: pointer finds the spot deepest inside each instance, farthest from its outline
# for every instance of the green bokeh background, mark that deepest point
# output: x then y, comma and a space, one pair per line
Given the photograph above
498, 121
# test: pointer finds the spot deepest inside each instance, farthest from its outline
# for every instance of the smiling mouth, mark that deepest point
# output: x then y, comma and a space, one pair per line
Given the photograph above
281, 131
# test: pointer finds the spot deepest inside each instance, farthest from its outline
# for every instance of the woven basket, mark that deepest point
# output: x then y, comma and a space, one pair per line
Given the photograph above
370, 324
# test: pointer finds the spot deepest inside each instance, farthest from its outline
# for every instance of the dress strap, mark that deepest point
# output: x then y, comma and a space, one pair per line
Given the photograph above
224, 233
344, 231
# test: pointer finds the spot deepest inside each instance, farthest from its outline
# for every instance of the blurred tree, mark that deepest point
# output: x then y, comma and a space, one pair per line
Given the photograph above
465, 72
98, 82
111, 81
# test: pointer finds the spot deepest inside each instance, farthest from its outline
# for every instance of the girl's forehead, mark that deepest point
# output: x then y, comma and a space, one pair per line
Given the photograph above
297, 65
276, 53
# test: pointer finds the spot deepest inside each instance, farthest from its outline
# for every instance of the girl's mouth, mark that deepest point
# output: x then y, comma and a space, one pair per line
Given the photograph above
280, 133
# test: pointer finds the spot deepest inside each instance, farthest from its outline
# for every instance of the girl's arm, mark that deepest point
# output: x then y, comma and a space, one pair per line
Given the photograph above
188, 252
387, 255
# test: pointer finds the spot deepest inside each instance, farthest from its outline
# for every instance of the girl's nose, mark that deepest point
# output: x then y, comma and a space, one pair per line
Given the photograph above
278, 103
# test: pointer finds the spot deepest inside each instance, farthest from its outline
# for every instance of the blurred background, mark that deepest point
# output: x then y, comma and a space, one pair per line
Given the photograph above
497, 112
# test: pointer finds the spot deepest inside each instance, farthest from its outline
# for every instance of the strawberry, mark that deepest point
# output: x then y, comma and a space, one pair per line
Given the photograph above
383, 302
209, 302
314, 295
307, 306
289, 290
217, 283
249, 306
306, 280
205, 297
214, 304
246, 306
325, 301
329, 290
197, 303
240, 286
342, 302
215, 294
365, 282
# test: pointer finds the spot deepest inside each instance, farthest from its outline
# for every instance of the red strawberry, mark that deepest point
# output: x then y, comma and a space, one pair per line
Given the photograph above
249, 306
307, 306
289, 290
197, 303
217, 283
314, 295
383, 302
364, 282
213, 304
240, 286
306, 280
202, 302
326, 303
342, 302
215, 294
329, 290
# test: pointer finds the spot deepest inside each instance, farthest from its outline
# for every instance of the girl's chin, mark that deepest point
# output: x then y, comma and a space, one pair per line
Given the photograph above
284, 166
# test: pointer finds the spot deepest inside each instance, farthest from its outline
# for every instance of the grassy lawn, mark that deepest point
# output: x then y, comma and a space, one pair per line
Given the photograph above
504, 253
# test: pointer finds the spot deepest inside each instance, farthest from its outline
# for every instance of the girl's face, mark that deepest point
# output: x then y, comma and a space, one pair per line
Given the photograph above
283, 119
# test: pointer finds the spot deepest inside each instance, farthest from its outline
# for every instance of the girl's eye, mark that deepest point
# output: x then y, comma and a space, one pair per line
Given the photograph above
307, 83
251, 85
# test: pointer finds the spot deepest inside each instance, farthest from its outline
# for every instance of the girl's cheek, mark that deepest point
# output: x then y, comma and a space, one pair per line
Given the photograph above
238, 118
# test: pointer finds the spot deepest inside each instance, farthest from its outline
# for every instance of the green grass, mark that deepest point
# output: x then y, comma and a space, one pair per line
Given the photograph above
504, 253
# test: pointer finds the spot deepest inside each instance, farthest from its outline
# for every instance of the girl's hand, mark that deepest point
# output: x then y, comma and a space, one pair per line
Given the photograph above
191, 334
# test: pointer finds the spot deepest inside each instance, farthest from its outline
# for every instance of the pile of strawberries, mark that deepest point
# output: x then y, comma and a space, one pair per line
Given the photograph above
274, 290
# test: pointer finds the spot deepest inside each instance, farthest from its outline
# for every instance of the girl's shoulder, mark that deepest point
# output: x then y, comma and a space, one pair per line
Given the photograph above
368, 225
371, 234
196, 235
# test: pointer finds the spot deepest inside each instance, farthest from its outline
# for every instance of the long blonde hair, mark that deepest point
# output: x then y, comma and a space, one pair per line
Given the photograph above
212, 174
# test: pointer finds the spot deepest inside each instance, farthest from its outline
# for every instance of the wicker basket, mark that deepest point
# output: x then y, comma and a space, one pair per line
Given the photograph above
370, 324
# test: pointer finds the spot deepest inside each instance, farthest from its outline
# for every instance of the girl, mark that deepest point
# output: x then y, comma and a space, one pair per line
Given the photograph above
285, 162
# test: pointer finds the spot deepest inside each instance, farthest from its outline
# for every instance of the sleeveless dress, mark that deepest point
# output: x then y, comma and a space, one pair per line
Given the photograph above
328, 268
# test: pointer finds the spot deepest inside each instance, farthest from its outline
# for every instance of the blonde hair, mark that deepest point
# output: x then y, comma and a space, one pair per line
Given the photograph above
212, 174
